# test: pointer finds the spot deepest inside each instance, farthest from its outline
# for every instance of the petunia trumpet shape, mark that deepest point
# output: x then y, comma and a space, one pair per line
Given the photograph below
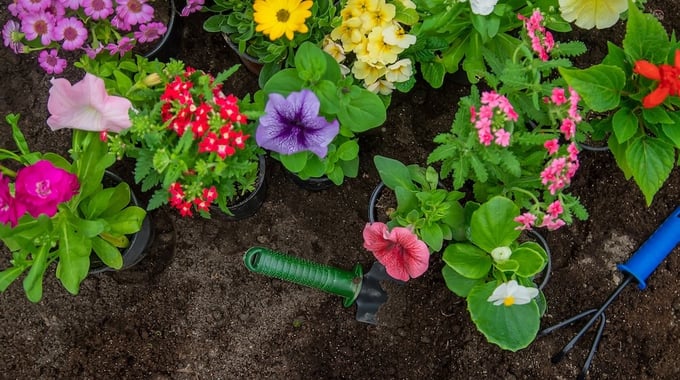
400, 251
511, 293
667, 75
587, 14
293, 125
41, 187
483, 7
10, 209
86, 105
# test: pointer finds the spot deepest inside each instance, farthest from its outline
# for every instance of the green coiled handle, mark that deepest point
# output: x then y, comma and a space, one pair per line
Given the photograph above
304, 272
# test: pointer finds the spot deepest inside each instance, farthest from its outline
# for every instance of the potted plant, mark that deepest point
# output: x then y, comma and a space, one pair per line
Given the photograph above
269, 31
433, 213
633, 96
100, 29
56, 210
371, 43
313, 116
519, 139
495, 273
190, 139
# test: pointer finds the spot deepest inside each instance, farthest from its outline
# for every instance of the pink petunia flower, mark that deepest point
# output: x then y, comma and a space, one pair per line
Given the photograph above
400, 251
134, 12
72, 32
86, 105
10, 210
51, 62
41, 187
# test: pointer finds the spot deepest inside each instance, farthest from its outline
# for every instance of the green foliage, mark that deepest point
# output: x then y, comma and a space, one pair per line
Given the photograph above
644, 141
473, 270
356, 109
97, 219
434, 213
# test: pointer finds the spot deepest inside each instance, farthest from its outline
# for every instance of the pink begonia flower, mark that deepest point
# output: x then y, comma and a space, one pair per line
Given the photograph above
86, 105
41, 187
10, 210
399, 250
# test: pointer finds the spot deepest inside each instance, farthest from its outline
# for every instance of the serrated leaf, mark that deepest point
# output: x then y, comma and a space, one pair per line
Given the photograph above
651, 161
625, 124
600, 86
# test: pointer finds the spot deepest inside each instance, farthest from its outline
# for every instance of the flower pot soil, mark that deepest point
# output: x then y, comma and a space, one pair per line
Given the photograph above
205, 316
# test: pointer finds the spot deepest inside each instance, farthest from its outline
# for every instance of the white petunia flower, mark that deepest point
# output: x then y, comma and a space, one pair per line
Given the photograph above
511, 293
483, 7
587, 14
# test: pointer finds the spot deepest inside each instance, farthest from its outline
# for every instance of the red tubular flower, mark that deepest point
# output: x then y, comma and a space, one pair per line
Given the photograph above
667, 75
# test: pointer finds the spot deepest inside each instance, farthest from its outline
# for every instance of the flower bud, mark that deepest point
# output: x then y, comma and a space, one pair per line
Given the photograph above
501, 254
152, 80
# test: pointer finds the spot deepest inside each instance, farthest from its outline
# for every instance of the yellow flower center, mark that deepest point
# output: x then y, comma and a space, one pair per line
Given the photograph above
282, 15
509, 301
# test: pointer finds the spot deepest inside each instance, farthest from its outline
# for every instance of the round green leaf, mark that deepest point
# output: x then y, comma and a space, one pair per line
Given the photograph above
493, 224
468, 260
530, 262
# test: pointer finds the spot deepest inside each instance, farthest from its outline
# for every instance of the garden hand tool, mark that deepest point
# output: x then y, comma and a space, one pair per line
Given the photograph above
352, 285
645, 260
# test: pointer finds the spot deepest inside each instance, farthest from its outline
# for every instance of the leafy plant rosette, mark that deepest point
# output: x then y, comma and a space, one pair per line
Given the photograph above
454, 35
191, 142
313, 116
371, 43
495, 273
433, 213
271, 30
518, 139
97, 28
53, 210
633, 94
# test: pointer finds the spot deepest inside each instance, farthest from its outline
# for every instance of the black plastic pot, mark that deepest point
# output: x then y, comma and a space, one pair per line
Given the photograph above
139, 242
251, 63
311, 184
252, 203
170, 44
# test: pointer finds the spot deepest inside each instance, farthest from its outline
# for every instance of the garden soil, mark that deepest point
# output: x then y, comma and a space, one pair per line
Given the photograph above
191, 310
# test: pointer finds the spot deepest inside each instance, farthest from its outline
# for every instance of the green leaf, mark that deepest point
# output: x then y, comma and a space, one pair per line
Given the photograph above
106, 202
364, 110
493, 224
294, 162
107, 253
432, 235
74, 259
327, 93
469, 261
123, 81
625, 124
126, 222
393, 173
651, 161
310, 62
645, 37
656, 115
9, 275
600, 86
348, 150
457, 283
33, 281
19, 139
433, 73
510, 327
530, 261
284, 82
672, 131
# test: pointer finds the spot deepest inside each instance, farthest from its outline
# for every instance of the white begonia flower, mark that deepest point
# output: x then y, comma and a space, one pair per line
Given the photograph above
511, 293
501, 254
483, 7
587, 14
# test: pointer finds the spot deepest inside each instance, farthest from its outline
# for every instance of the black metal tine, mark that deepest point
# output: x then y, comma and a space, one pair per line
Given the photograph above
593, 348
566, 322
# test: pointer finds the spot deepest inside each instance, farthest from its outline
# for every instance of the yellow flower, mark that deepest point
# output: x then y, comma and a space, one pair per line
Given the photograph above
348, 33
369, 73
275, 18
399, 71
394, 34
379, 50
334, 49
588, 13
381, 86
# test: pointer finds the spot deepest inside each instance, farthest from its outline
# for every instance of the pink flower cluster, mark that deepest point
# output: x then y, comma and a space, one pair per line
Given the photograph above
70, 24
491, 119
38, 189
551, 218
214, 124
542, 41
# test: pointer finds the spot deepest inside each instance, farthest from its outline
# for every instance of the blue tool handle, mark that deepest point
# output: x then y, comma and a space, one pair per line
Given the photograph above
652, 252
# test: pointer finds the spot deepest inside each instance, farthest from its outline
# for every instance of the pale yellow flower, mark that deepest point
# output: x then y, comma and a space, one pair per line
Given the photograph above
394, 34
368, 72
381, 17
399, 71
275, 18
334, 49
587, 14
363, 6
379, 51
381, 86
408, 4
348, 33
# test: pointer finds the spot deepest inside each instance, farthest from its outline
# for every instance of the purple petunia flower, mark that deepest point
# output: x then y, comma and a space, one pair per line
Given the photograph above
41, 187
150, 32
51, 62
293, 124
98, 9
72, 31
134, 12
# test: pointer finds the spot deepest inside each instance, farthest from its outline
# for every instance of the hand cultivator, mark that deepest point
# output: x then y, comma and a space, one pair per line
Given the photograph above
645, 260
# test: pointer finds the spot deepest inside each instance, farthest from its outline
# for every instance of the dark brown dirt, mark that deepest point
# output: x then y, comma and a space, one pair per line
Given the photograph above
193, 311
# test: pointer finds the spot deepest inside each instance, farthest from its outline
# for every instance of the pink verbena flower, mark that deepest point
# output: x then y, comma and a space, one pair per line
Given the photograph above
552, 224
527, 220
134, 12
400, 251
552, 146
491, 119
555, 209
51, 62
542, 41
72, 32
86, 105
41, 187
558, 97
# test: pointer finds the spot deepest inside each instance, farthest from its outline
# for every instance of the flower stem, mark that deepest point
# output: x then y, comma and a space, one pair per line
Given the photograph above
530, 194
7, 171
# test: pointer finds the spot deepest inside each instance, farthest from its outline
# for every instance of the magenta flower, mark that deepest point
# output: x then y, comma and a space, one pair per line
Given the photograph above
98, 9
34, 6
37, 25
11, 36
73, 4
86, 105
10, 210
192, 6
123, 46
134, 12
51, 62
92, 52
56, 10
400, 251
293, 124
41, 187
527, 220
150, 32
72, 32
